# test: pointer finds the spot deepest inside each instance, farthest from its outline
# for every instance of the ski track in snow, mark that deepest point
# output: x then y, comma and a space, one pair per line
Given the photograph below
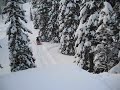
41, 54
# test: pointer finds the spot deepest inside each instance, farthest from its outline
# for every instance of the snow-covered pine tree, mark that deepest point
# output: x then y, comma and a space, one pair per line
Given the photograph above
68, 20
34, 3
53, 23
116, 28
43, 14
20, 56
33, 13
35, 20
85, 33
106, 52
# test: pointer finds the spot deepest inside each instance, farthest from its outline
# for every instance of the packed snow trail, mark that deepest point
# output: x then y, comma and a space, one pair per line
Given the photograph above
44, 54
53, 49
40, 52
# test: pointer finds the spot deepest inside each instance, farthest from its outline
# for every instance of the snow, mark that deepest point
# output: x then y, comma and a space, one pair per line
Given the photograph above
59, 58
106, 12
4, 56
115, 69
57, 77
93, 19
54, 71
111, 80
62, 1
4, 59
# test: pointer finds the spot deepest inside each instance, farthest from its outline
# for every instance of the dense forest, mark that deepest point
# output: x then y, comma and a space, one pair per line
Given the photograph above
59, 44
89, 30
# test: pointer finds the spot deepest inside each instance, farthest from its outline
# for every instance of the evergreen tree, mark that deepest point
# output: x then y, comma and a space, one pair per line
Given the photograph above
53, 23
33, 13
36, 20
68, 20
113, 2
116, 27
34, 3
43, 14
85, 33
106, 52
20, 56
97, 37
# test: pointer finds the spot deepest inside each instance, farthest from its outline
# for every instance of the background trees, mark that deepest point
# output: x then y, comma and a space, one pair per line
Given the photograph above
53, 23
88, 29
68, 20
43, 17
96, 38
34, 3
85, 35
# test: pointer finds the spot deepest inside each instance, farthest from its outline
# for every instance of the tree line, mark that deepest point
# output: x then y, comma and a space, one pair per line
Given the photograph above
87, 29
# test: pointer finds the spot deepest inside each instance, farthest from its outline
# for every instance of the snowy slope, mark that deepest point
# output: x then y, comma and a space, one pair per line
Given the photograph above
56, 77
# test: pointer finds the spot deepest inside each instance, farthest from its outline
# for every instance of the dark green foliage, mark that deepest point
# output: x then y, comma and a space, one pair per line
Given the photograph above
43, 14
53, 23
97, 37
20, 56
68, 23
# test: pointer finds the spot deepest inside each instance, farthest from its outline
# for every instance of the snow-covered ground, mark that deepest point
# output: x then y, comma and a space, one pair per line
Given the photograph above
56, 77
59, 77
54, 71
